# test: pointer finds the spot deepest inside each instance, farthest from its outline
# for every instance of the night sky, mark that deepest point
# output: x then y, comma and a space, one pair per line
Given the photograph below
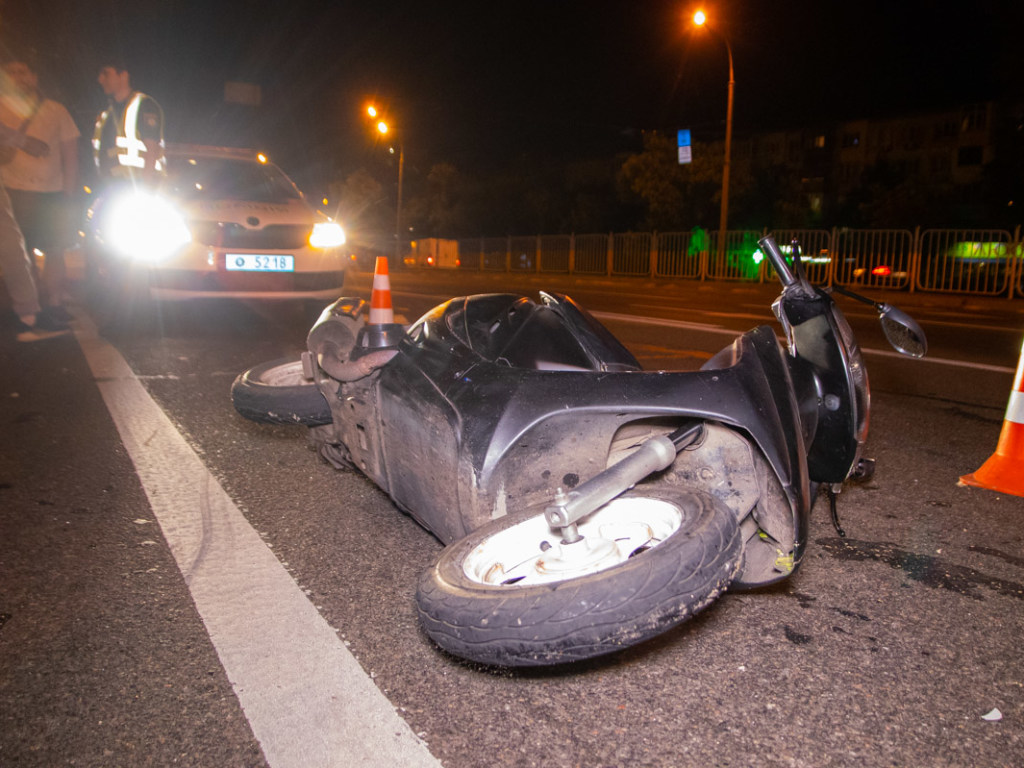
486, 84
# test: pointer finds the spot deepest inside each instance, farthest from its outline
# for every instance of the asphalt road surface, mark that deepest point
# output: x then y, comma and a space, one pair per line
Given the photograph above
180, 586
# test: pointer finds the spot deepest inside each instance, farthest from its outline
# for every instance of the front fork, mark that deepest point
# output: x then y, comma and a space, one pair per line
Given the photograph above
654, 455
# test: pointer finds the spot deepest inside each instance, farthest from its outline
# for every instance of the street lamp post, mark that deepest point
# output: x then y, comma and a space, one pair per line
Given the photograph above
398, 206
383, 128
700, 19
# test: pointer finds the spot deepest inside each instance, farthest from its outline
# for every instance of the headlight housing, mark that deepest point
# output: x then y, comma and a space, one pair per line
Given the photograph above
327, 234
144, 227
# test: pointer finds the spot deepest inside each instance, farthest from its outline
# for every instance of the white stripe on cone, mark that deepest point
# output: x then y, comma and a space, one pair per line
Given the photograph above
380, 300
1015, 409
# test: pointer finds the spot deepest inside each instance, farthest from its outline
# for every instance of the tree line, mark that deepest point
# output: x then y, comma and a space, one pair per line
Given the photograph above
648, 190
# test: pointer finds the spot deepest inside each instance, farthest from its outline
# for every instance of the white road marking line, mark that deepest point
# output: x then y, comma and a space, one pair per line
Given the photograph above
946, 323
931, 313
306, 697
717, 329
760, 316
941, 361
706, 327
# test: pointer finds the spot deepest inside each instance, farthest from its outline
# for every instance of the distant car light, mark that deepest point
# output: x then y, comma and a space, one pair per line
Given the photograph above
327, 234
145, 227
882, 270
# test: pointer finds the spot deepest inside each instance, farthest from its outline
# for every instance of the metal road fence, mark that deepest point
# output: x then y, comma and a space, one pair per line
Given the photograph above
968, 261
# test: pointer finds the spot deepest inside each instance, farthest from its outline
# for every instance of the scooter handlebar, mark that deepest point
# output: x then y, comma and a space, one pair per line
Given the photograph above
771, 250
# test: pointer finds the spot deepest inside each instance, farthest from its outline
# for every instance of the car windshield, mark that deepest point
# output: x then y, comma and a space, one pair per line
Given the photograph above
225, 178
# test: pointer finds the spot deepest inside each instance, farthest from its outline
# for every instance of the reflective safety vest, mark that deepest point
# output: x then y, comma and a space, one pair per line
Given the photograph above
130, 149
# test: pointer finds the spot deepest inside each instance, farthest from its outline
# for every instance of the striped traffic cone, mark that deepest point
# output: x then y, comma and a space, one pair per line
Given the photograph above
382, 332
381, 312
1004, 470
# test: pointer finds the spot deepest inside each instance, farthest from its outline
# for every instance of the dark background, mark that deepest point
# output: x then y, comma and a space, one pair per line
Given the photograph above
490, 87
484, 81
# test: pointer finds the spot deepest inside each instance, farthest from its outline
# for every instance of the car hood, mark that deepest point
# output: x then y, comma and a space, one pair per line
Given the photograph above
251, 214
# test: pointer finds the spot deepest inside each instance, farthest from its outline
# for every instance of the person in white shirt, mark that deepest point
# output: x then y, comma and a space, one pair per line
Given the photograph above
42, 189
15, 264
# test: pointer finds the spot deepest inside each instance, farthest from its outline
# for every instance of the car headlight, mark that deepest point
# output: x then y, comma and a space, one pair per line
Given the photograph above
145, 227
327, 234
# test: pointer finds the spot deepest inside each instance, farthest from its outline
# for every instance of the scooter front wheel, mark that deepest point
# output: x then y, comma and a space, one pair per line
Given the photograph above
278, 392
512, 594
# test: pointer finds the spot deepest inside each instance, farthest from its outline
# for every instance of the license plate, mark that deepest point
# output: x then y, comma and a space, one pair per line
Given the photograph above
258, 262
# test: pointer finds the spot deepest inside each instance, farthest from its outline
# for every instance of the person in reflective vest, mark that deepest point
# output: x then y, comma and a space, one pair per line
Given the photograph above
128, 141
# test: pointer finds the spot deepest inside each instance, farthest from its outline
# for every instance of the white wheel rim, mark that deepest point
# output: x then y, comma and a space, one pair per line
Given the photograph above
285, 375
531, 553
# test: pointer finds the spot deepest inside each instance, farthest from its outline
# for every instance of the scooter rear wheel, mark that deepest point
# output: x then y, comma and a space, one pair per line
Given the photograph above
511, 594
277, 392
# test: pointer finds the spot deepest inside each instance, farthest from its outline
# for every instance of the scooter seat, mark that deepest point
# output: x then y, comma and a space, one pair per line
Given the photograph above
511, 329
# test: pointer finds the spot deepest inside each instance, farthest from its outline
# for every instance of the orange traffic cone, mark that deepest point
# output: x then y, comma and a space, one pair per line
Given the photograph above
381, 332
381, 312
1004, 470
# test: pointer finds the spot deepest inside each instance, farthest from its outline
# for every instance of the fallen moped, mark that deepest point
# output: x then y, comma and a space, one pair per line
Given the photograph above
587, 505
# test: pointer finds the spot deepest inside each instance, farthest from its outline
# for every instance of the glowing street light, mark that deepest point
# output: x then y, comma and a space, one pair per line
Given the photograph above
699, 20
383, 129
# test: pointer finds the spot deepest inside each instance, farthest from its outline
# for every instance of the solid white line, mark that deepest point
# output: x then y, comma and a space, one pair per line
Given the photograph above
760, 316
717, 329
945, 323
306, 697
941, 361
707, 328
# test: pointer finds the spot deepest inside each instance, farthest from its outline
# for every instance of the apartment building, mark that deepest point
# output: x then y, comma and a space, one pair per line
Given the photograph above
946, 151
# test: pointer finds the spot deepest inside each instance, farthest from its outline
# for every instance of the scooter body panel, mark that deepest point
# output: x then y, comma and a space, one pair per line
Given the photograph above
466, 439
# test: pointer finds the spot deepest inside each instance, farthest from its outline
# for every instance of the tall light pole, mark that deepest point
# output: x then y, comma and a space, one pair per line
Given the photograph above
700, 19
383, 129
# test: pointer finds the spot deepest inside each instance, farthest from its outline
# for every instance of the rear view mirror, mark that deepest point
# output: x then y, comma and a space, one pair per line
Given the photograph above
902, 331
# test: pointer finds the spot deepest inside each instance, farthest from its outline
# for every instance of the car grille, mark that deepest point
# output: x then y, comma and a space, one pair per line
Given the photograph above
273, 237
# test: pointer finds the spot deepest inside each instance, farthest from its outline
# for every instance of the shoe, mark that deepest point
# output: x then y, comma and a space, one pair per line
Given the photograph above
46, 321
28, 332
57, 314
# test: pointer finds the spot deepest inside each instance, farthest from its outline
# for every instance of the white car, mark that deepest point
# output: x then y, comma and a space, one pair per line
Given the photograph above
224, 223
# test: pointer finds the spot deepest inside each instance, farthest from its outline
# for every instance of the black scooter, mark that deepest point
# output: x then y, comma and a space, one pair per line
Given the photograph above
587, 505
